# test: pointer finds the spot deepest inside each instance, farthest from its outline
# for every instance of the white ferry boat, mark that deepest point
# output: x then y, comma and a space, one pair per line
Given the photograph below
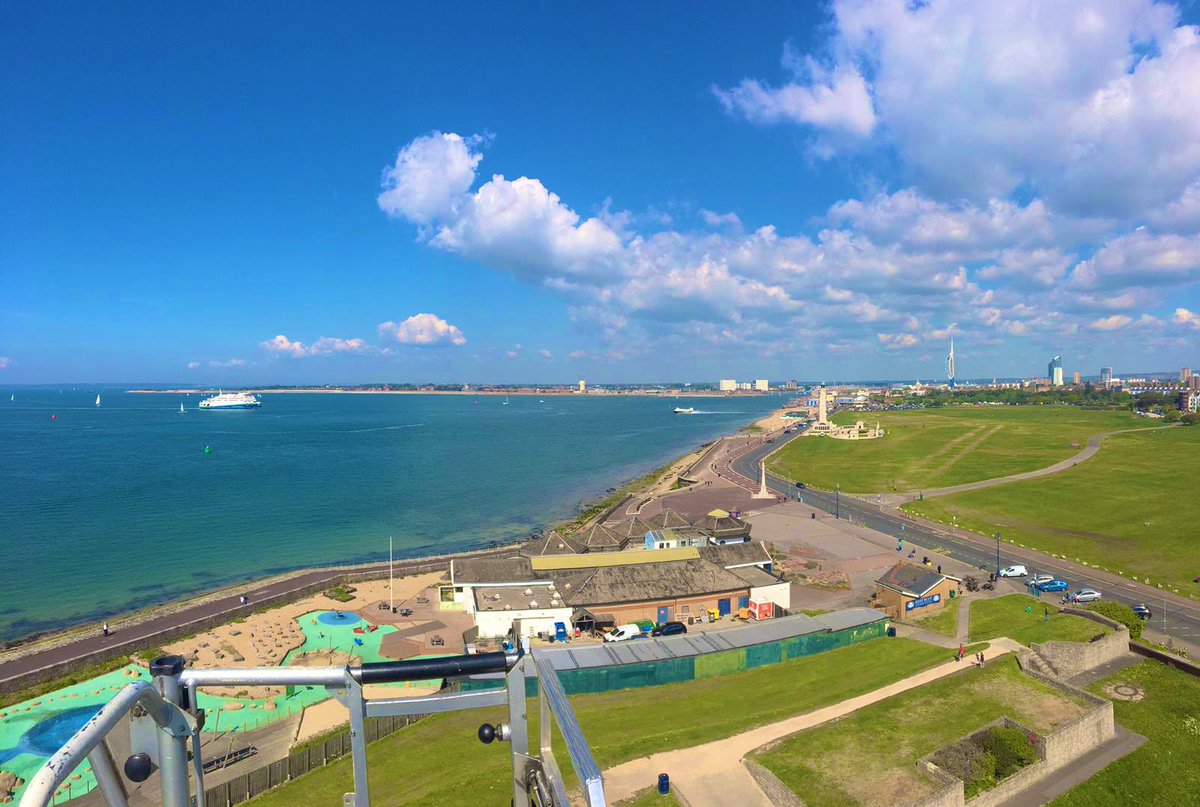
685, 410
231, 400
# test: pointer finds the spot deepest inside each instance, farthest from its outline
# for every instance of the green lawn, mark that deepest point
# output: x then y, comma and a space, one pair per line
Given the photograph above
1166, 769
943, 621
870, 757
936, 448
1131, 509
438, 760
1007, 616
650, 798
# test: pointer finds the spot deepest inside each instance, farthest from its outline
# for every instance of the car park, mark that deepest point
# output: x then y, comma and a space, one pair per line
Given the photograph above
1014, 571
1086, 595
669, 629
1054, 585
1142, 610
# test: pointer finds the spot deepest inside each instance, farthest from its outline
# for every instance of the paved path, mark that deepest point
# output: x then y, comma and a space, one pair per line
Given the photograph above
712, 775
1089, 451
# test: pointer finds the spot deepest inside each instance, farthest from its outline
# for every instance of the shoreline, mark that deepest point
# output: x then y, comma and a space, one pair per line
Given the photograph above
558, 392
33, 644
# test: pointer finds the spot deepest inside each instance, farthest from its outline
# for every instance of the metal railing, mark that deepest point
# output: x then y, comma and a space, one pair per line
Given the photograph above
164, 718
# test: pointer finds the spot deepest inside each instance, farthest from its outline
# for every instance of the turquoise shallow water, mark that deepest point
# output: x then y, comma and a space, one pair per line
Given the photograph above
107, 509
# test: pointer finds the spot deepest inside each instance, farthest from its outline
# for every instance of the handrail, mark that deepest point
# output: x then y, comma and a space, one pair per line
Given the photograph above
380, 672
41, 787
582, 760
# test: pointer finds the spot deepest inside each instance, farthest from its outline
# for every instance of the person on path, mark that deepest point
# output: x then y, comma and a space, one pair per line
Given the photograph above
104, 628
242, 599
1045, 614
980, 658
961, 650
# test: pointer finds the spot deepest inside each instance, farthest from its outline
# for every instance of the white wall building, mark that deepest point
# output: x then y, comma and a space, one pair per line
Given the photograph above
727, 385
761, 385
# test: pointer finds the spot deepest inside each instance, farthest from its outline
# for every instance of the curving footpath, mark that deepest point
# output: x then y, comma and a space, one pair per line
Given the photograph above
1089, 451
712, 774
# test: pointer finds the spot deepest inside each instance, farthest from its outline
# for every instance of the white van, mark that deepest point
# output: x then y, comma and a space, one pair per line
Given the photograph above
622, 633
1014, 571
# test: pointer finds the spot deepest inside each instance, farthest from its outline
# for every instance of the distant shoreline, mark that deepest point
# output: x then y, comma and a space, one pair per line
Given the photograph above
526, 391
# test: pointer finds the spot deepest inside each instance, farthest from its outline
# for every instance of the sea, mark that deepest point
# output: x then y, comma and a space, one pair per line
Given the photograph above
109, 509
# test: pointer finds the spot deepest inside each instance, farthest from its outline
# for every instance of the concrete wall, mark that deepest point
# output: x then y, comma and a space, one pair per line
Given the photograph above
949, 794
1072, 658
495, 624
779, 794
779, 593
635, 612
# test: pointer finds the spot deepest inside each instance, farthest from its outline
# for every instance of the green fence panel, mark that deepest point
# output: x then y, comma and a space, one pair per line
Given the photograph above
710, 665
760, 655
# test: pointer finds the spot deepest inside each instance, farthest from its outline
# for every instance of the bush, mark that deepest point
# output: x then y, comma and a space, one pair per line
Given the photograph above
1119, 612
1011, 748
969, 762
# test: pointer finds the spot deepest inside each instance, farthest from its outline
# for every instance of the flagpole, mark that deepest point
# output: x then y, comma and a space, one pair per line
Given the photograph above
391, 587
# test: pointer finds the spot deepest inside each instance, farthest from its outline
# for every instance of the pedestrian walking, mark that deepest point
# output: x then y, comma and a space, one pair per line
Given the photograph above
1045, 614
242, 599
939, 568
104, 628
980, 658
961, 650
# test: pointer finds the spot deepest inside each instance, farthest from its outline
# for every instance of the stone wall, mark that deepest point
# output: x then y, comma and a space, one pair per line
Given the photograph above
950, 790
1072, 658
779, 794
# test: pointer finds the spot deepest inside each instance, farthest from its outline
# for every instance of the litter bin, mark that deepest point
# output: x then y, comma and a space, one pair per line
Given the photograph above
891, 631
664, 784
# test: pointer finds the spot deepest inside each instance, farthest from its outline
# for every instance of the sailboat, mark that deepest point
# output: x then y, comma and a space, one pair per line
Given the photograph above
181, 407
97, 400
505, 401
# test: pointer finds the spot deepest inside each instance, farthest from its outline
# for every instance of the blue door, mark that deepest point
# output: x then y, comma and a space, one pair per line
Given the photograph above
723, 607
743, 602
664, 615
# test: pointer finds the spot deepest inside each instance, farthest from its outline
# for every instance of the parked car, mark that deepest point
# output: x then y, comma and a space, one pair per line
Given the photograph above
622, 633
669, 629
1142, 610
1014, 571
1054, 585
1038, 579
1086, 595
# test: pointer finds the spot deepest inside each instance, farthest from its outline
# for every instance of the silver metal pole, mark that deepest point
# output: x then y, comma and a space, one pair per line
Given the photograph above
106, 775
391, 582
351, 696
172, 748
518, 725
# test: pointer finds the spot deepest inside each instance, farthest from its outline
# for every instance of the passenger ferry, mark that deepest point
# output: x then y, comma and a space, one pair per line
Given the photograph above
231, 400
685, 410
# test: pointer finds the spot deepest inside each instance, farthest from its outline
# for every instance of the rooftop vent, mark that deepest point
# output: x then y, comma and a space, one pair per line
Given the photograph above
508, 608
528, 592
533, 604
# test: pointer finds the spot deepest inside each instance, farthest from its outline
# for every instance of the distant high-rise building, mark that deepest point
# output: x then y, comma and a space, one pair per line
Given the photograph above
761, 385
727, 385
1054, 371
582, 386
1106, 375
950, 364
793, 384
1076, 378
1185, 374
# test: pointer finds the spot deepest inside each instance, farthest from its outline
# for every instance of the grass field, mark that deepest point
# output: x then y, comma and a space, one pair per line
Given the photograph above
1131, 509
1007, 616
943, 621
870, 757
650, 798
1166, 769
936, 448
438, 760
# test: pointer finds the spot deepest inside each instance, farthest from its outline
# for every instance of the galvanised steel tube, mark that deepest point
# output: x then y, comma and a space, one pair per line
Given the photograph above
264, 676
40, 791
386, 672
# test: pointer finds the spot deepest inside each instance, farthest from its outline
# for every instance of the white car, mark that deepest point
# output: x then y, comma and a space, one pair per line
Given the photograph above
1038, 579
1014, 571
1086, 595
622, 633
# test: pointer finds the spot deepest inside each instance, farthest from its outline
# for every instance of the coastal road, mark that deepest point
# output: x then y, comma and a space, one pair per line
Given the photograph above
1173, 615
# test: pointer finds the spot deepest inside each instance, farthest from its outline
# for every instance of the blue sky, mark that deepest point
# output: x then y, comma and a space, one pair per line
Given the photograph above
229, 195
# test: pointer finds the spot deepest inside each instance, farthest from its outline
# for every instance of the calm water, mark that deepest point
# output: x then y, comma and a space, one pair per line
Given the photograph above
111, 508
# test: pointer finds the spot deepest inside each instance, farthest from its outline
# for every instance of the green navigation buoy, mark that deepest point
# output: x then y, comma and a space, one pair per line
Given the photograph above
208, 449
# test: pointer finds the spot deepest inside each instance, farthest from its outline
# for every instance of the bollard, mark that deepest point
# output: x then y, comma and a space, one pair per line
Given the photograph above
664, 784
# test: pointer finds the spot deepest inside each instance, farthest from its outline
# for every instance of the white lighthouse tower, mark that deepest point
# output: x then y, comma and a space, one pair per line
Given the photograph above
950, 364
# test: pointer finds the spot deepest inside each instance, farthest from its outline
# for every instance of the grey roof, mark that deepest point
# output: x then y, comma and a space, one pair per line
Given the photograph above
910, 579
495, 598
552, 543
850, 618
668, 519
737, 554
722, 526
493, 570
633, 529
755, 576
651, 581
599, 538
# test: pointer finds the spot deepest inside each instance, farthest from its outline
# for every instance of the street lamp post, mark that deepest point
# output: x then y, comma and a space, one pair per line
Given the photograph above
837, 501
997, 555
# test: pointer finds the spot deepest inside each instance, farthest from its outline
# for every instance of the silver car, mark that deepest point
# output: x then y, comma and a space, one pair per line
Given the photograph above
1086, 595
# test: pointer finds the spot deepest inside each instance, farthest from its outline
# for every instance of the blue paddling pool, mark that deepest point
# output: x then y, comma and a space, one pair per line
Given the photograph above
338, 618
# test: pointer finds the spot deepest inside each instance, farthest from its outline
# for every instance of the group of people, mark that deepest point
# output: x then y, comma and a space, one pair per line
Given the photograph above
962, 651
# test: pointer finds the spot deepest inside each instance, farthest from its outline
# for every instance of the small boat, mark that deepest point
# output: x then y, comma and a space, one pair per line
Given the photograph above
505, 401
685, 410
181, 407
97, 400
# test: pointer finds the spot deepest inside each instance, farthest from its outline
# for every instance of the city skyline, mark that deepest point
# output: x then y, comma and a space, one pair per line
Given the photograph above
345, 199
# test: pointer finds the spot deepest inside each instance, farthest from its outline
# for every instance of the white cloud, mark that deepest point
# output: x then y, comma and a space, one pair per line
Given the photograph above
545, 354
713, 219
1140, 258
897, 341
327, 345
1114, 323
5, 362
430, 176
511, 354
578, 354
283, 346
425, 330
835, 100
1186, 319
193, 365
